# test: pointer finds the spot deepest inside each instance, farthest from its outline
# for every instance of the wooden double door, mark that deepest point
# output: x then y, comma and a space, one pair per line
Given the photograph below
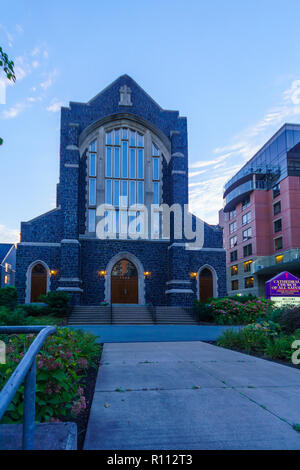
206, 285
124, 283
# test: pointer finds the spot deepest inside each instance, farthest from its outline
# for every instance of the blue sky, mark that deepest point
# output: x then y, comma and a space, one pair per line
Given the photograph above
233, 68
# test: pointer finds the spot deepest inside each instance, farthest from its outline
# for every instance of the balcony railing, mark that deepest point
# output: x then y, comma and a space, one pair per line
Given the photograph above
251, 170
263, 262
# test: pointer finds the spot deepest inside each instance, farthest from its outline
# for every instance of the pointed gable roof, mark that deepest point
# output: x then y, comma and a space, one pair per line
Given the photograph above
4, 249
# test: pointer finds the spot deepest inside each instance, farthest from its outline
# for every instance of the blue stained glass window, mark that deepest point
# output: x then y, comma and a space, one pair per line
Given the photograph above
140, 192
156, 168
93, 146
124, 133
123, 222
92, 191
124, 194
155, 193
109, 138
132, 138
92, 164
140, 140
116, 221
132, 192
116, 193
125, 160
132, 164
108, 162
155, 151
108, 191
132, 222
92, 220
108, 227
140, 169
117, 162
117, 136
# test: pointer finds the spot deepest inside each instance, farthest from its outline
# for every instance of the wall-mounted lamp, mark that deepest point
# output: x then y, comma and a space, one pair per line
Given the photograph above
53, 272
193, 275
147, 274
102, 273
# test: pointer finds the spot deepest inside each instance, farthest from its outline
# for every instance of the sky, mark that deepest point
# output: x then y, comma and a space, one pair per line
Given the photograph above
231, 67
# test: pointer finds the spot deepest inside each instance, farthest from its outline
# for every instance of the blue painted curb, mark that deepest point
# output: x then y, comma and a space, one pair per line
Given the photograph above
155, 333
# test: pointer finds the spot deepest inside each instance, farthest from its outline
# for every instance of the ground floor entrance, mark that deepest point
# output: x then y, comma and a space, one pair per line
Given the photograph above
124, 283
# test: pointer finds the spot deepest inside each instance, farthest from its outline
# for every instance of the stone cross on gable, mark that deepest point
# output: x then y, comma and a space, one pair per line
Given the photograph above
125, 96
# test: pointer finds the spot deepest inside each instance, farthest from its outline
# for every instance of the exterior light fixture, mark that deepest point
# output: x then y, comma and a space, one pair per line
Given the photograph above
147, 274
102, 273
193, 275
53, 272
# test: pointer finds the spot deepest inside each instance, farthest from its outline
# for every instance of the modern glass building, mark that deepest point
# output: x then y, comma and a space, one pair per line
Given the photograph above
261, 214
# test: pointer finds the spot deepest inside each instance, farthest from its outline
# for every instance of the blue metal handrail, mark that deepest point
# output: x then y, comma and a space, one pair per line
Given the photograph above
25, 371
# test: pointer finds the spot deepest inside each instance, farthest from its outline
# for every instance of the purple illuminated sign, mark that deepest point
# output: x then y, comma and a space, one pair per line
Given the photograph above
283, 285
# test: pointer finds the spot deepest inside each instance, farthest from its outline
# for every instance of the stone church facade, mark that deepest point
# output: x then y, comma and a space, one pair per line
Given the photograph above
122, 157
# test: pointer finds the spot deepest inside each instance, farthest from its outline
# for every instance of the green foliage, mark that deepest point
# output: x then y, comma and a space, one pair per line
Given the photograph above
61, 364
296, 427
7, 65
231, 312
242, 299
264, 338
12, 318
8, 297
204, 312
57, 303
35, 310
290, 320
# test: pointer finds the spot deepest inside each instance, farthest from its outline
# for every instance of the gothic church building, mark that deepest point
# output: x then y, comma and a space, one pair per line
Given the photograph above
121, 155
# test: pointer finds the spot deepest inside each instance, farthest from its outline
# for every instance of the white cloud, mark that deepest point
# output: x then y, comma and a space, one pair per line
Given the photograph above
19, 29
35, 64
9, 235
47, 83
55, 106
14, 111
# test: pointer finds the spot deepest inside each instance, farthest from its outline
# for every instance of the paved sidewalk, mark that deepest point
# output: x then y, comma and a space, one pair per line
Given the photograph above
144, 333
192, 395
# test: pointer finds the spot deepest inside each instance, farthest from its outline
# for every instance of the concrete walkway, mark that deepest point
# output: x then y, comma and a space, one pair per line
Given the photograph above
192, 395
141, 333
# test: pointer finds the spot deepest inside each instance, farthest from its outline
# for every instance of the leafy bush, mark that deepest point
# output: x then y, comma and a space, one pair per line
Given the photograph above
244, 340
290, 320
8, 297
12, 318
230, 312
242, 299
204, 312
57, 303
35, 310
61, 364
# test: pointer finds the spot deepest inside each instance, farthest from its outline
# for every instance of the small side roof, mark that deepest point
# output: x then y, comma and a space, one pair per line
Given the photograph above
4, 249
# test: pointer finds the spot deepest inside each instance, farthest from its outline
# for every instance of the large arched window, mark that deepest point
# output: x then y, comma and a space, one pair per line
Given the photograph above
125, 177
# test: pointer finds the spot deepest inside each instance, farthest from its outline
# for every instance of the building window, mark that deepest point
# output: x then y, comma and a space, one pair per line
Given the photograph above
92, 171
232, 227
278, 243
247, 234
233, 241
247, 250
233, 256
92, 220
232, 214
155, 173
7, 267
124, 180
234, 284
279, 259
246, 219
249, 282
247, 266
276, 190
234, 270
245, 203
277, 226
277, 208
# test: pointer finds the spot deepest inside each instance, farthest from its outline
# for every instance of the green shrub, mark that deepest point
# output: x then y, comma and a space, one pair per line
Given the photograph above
8, 297
290, 320
230, 312
242, 299
57, 303
13, 318
61, 364
35, 310
203, 312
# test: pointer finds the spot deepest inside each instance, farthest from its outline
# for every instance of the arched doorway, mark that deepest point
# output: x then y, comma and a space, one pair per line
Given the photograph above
124, 283
38, 282
206, 285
